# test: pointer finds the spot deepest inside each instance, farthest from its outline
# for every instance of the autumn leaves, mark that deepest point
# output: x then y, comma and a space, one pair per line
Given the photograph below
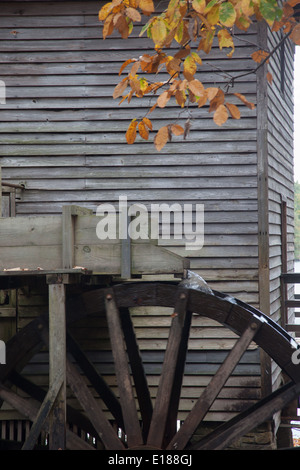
194, 25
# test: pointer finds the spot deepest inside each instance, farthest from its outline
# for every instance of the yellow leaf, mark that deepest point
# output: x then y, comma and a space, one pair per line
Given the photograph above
161, 138
199, 5
176, 129
143, 131
221, 115
225, 39
233, 110
131, 132
146, 6
196, 58
105, 11
189, 68
213, 15
159, 32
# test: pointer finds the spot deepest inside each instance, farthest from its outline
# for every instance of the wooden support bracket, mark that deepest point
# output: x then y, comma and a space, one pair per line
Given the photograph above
69, 214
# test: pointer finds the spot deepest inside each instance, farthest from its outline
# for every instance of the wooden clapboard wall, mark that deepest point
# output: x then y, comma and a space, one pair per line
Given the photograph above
64, 136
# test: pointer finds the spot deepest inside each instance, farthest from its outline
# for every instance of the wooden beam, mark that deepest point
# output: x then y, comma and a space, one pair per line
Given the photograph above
92, 409
130, 416
137, 369
167, 378
0, 191
43, 413
57, 364
30, 410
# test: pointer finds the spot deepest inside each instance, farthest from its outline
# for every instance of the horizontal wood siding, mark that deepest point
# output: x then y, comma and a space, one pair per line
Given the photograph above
280, 157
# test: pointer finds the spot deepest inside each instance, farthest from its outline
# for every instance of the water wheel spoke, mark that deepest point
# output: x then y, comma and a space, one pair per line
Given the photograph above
227, 433
38, 394
30, 410
213, 389
127, 400
167, 379
95, 379
92, 408
137, 369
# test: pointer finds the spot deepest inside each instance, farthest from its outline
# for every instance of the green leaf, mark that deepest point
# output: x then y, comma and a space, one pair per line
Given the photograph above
270, 10
210, 5
227, 14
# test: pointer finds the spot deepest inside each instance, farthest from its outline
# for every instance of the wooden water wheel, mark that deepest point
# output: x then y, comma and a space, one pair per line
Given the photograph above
152, 423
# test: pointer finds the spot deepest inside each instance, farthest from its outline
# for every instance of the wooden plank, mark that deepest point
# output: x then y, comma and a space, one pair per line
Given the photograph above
130, 416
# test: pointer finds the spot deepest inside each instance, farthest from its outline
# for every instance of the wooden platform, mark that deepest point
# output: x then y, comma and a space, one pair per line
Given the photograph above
44, 244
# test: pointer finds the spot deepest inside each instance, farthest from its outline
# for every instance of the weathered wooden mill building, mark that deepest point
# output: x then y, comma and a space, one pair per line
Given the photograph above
63, 152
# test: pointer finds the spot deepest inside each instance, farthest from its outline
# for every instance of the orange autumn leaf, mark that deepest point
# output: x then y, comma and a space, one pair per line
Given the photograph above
147, 122
120, 88
233, 110
196, 87
143, 131
161, 138
269, 77
176, 129
133, 14
211, 92
220, 115
131, 132
245, 101
295, 35
163, 99
259, 56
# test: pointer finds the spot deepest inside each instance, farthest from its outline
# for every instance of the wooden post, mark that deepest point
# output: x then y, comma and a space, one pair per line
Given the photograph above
57, 364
